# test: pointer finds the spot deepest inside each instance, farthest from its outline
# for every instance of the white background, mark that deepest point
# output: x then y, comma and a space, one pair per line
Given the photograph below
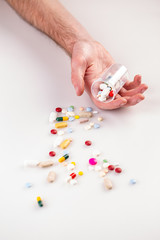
34, 79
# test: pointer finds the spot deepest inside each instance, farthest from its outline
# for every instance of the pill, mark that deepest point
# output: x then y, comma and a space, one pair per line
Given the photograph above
53, 131
28, 185
83, 121
118, 170
111, 94
96, 153
68, 179
59, 119
98, 168
105, 165
73, 182
73, 175
102, 174
69, 130
81, 108
91, 124
44, 164
105, 170
70, 114
70, 109
88, 127
105, 160
39, 201
71, 119
62, 159
70, 167
58, 109
107, 183
88, 143
65, 143
111, 167
95, 112
51, 176
30, 163
64, 164
85, 114
60, 133
52, 117
105, 92
132, 181
89, 109
80, 173
52, 153
73, 163
102, 99
92, 161
96, 125
61, 125
64, 110
100, 119
58, 141
102, 86
76, 116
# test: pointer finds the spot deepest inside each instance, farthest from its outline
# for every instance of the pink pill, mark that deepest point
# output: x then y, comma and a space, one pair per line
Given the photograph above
92, 161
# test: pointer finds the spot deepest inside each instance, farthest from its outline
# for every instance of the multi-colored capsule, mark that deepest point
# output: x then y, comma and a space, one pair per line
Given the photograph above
62, 159
59, 119
39, 201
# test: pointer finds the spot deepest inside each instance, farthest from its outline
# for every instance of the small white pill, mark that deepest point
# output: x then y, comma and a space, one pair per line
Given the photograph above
73, 182
91, 124
70, 167
107, 183
100, 119
68, 179
58, 141
102, 86
52, 117
60, 133
98, 168
95, 112
30, 163
70, 114
102, 174
105, 165
64, 110
88, 127
102, 99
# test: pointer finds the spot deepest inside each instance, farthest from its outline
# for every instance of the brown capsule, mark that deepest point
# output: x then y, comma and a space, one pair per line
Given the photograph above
83, 121
51, 176
85, 114
107, 183
44, 164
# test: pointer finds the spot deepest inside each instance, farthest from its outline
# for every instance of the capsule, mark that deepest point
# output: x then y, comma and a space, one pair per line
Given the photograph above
85, 114
59, 119
61, 125
62, 159
39, 202
107, 183
44, 164
51, 177
72, 175
65, 143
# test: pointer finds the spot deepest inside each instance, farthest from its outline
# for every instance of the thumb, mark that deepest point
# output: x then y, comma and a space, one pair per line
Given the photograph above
78, 69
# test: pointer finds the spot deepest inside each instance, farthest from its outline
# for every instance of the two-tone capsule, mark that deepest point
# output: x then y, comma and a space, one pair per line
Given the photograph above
62, 159
59, 119
39, 201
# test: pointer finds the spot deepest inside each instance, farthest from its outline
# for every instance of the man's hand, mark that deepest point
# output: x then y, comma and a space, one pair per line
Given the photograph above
89, 60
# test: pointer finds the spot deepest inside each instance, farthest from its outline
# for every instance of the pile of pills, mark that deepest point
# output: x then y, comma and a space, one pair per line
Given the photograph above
105, 92
62, 118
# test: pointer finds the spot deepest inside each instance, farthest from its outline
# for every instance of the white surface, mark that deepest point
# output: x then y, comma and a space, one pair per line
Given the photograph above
35, 78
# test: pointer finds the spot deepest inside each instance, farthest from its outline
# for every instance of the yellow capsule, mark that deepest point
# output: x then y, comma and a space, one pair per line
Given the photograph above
61, 125
62, 159
73, 163
77, 117
38, 199
80, 173
65, 143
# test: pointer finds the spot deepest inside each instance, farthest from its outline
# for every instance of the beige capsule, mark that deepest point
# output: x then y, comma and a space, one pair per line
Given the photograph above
83, 121
85, 114
44, 164
107, 183
51, 176
100, 119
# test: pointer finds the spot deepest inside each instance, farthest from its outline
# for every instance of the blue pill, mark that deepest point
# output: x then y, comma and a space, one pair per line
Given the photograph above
69, 130
132, 181
96, 125
70, 109
89, 109
28, 185
71, 119
65, 152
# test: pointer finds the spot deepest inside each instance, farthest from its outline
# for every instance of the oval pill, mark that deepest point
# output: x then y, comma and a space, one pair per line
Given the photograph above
85, 114
65, 143
43, 164
61, 125
51, 176
107, 183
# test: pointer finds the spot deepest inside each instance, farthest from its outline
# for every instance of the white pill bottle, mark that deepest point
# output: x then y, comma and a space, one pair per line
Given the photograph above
105, 88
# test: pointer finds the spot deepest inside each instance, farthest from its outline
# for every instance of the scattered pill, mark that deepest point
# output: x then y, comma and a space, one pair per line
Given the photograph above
105, 161
118, 170
62, 159
102, 174
73, 175
96, 125
96, 153
53, 131
60, 133
73, 182
80, 173
73, 163
92, 161
68, 179
105, 165
100, 119
98, 168
70, 114
111, 94
44, 164
39, 202
70, 109
64, 110
59, 119
111, 167
69, 130
65, 143
76, 116
132, 181
83, 121
71, 119
103, 86
88, 127
81, 108
58, 109
105, 170
52, 117
95, 112
70, 167
51, 176
107, 183
52, 153
28, 185
58, 141
85, 114
30, 163
61, 125
89, 109
88, 143
91, 124
64, 164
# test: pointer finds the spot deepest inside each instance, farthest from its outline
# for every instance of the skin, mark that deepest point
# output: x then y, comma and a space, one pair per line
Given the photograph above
88, 58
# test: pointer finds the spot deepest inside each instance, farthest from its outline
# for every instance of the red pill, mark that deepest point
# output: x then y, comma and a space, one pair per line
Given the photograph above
118, 170
52, 153
73, 175
88, 143
111, 94
111, 167
58, 109
53, 131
